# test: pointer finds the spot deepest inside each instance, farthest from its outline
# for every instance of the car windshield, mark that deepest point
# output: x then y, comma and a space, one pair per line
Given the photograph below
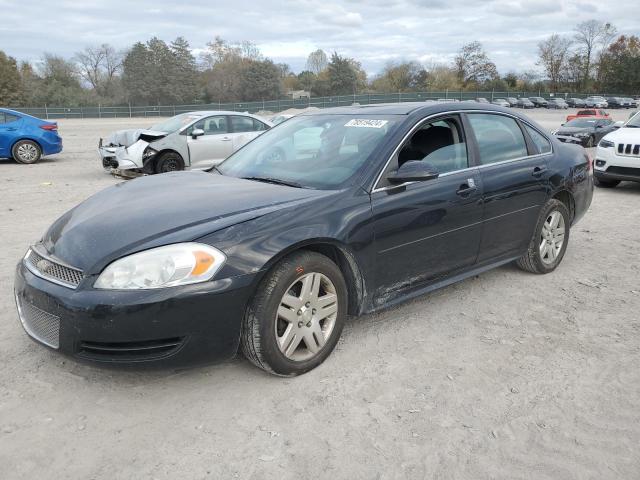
634, 122
315, 151
581, 123
175, 123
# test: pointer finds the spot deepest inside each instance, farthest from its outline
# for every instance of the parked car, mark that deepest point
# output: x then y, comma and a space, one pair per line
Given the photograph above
585, 131
525, 103
539, 102
26, 139
618, 155
557, 103
588, 114
502, 102
575, 102
270, 252
193, 140
615, 102
482, 100
628, 102
513, 102
595, 102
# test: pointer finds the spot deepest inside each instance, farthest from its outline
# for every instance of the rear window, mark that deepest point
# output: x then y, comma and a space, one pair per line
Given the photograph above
542, 144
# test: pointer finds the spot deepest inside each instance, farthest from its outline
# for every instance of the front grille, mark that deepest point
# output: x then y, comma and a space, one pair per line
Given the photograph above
39, 324
130, 351
51, 270
624, 171
629, 149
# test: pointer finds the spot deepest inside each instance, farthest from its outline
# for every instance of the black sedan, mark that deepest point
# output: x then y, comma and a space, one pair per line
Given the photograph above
332, 214
557, 103
585, 131
539, 102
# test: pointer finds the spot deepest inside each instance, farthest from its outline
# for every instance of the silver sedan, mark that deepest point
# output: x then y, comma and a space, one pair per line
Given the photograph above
192, 140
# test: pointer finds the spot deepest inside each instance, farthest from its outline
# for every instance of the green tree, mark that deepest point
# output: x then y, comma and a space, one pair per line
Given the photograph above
342, 76
60, 83
136, 68
400, 77
10, 84
620, 66
260, 80
183, 74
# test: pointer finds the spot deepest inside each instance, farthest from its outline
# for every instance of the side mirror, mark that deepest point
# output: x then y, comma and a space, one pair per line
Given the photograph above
197, 132
413, 171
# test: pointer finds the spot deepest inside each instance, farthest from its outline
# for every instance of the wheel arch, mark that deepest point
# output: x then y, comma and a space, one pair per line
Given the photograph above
567, 199
341, 255
151, 163
26, 138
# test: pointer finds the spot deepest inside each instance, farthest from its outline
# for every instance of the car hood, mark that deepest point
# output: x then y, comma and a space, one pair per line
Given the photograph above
573, 130
624, 135
125, 138
158, 210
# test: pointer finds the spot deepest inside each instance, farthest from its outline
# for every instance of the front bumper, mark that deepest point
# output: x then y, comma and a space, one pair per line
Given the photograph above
611, 166
168, 327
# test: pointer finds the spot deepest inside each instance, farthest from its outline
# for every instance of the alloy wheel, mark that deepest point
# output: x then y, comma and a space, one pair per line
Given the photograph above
27, 152
552, 237
306, 316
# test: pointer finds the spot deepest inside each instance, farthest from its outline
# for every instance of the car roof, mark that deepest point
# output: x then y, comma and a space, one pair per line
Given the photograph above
201, 113
407, 108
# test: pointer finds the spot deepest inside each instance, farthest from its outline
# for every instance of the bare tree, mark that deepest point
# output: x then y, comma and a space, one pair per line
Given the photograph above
317, 61
553, 54
473, 64
589, 36
99, 65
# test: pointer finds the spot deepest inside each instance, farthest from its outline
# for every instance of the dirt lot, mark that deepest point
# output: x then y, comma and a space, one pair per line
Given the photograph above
506, 375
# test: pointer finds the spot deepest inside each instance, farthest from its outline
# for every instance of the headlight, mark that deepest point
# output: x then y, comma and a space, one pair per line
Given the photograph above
168, 266
606, 144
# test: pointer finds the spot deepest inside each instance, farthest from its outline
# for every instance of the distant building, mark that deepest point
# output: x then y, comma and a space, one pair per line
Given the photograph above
296, 94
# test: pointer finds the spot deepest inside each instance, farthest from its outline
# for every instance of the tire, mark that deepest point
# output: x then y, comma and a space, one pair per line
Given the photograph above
26, 151
533, 260
169, 162
276, 309
605, 183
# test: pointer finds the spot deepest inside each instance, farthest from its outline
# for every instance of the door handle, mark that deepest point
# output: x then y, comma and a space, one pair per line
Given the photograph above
225, 139
538, 171
465, 190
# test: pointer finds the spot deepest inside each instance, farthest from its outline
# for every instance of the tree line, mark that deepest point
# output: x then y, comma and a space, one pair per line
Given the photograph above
594, 59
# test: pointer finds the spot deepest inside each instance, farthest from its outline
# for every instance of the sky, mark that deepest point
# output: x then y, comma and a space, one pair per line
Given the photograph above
372, 31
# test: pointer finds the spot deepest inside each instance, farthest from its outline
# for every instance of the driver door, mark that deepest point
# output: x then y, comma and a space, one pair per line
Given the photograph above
428, 229
214, 146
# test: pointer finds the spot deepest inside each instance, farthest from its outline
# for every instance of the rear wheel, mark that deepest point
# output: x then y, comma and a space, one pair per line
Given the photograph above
26, 151
295, 320
549, 242
605, 183
169, 162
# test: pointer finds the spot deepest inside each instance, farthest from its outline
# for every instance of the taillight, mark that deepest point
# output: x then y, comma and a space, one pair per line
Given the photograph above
49, 126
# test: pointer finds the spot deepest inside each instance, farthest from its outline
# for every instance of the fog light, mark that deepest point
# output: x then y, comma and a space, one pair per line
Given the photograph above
600, 163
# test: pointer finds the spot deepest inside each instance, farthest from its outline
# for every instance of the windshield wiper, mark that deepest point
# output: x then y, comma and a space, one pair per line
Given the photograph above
632, 126
275, 181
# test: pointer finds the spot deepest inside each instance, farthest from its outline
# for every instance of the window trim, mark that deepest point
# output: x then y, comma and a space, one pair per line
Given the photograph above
475, 166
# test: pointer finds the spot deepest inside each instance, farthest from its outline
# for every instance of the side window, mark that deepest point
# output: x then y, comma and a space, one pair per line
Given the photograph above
242, 124
2, 118
499, 137
258, 126
440, 143
8, 118
540, 141
211, 125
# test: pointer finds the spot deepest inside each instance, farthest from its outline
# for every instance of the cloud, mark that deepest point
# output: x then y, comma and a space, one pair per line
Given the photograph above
372, 31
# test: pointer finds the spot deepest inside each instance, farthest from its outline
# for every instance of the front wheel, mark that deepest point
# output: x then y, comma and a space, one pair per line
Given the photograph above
549, 242
169, 162
296, 317
26, 151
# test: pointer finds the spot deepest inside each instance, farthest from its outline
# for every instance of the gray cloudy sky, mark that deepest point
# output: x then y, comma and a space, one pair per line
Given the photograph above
372, 31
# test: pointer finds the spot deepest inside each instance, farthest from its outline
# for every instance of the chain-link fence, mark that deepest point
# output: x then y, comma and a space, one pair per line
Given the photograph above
276, 105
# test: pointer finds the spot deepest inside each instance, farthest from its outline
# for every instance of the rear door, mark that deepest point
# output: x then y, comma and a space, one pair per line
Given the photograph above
426, 230
9, 130
515, 179
214, 146
244, 129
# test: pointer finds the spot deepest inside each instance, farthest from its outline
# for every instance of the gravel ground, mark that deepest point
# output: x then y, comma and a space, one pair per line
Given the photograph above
505, 375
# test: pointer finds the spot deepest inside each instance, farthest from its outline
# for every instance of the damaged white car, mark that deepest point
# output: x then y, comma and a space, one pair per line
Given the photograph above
193, 140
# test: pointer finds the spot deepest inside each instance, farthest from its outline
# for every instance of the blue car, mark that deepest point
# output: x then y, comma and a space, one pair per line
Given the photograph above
25, 138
